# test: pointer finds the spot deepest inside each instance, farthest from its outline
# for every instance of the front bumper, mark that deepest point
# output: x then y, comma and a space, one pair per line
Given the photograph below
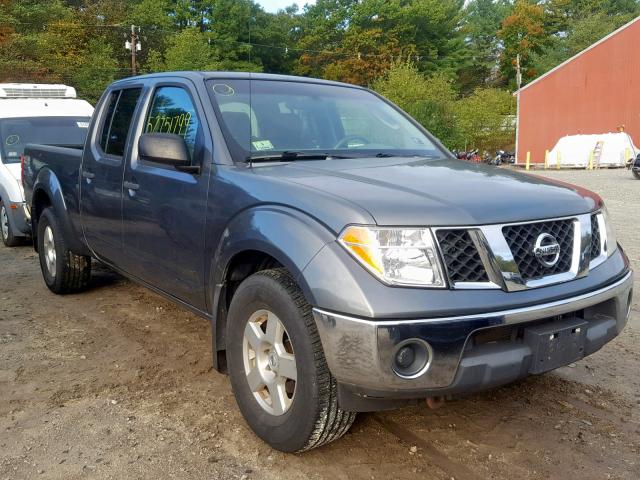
465, 355
19, 218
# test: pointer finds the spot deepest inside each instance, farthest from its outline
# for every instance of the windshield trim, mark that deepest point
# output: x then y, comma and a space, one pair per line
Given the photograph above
241, 158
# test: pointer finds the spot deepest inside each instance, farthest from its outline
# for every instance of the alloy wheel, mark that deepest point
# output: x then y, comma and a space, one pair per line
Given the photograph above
49, 246
269, 362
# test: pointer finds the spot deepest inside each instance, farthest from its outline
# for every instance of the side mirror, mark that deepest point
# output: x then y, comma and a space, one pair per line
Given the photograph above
164, 148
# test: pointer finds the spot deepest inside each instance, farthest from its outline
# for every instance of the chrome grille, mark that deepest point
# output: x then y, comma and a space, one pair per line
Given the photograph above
596, 248
521, 240
461, 256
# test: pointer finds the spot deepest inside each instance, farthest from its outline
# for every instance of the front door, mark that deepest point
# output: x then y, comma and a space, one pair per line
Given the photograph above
163, 209
101, 176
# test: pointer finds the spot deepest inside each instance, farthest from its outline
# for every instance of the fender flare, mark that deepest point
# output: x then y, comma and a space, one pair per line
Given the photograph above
290, 236
48, 183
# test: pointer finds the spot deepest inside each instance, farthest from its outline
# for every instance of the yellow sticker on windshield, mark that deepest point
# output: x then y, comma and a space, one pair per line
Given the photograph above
262, 145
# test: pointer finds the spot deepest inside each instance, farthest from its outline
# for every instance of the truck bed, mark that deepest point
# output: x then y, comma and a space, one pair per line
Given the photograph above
63, 161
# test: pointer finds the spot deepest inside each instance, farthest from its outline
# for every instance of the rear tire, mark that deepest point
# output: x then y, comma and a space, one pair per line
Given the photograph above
305, 414
63, 271
636, 174
6, 231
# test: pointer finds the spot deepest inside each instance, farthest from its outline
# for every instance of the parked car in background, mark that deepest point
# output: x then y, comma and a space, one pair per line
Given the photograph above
635, 167
33, 113
347, 262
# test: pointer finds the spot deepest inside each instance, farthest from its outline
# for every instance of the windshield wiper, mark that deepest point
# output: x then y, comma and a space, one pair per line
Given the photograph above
398, 155
290, 156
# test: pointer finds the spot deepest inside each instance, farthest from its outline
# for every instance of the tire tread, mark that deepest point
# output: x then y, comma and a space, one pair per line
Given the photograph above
331, 421
76, 269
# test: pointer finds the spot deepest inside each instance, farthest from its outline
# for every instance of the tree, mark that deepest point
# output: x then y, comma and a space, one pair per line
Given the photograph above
96, 70
486, 119
190, 50
430, 100
574, 25
483, 19
356, 41
522, 33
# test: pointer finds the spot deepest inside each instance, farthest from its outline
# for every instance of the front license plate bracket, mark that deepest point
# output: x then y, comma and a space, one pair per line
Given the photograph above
555, 344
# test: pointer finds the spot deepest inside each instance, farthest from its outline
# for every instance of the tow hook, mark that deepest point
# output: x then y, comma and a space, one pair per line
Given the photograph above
435, 402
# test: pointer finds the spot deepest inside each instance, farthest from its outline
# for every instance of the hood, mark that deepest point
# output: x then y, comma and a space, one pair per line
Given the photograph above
15, 170
411, 192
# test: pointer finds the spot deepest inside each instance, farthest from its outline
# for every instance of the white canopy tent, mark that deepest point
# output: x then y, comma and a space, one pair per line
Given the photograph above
608, 149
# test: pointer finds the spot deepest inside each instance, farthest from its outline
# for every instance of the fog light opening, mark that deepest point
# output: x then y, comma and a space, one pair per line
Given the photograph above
411, 358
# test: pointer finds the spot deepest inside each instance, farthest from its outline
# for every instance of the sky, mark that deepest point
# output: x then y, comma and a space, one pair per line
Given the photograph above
275, 5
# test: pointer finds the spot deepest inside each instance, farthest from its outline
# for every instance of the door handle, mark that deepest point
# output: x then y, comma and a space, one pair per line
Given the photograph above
130, 185
88, 175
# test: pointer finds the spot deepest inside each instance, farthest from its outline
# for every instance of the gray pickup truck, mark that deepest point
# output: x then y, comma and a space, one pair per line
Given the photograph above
347, 262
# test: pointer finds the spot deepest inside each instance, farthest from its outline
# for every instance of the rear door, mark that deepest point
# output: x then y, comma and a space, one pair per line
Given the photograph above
102, 171
164, 209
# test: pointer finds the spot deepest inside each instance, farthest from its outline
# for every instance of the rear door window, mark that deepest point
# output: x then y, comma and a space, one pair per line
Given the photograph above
115, 129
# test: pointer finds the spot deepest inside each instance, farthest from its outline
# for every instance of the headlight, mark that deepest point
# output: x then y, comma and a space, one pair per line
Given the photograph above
397, 256
610, 241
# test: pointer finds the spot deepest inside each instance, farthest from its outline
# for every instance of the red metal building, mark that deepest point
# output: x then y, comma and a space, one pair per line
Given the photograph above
596, 91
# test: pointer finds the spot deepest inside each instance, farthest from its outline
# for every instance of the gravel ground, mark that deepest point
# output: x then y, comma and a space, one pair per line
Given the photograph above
116, 383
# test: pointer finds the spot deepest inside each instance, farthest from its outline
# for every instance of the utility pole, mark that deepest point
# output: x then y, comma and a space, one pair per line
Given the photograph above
135, 46
519, 84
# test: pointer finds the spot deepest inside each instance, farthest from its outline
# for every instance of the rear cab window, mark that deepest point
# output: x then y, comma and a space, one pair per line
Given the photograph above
16, 133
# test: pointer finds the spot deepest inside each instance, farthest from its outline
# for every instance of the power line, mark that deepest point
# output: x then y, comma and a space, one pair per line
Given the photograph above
285, 48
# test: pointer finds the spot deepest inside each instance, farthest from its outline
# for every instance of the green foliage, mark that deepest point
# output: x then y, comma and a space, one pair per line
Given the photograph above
483, 19
190, 50
573, 25
430, 100
486, 119
483, 120
522, 33
96, 69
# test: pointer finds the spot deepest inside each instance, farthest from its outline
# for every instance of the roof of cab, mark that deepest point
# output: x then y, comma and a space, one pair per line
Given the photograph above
196, 75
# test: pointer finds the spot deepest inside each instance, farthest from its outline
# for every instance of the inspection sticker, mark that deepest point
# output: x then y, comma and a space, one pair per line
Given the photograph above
262, 145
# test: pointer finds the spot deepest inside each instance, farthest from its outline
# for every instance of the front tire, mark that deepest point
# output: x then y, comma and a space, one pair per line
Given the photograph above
636, 174
62, 270
277, 367
6, 231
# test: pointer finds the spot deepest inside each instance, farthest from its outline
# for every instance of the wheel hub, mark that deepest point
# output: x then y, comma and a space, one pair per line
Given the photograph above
269, 362
273, 360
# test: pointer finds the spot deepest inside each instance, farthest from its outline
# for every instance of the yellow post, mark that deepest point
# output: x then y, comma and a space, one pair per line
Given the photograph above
627, 155
558, 160
546, 159
528, 159
590, 165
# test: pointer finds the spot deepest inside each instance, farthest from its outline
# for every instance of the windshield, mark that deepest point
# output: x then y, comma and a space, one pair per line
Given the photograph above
264, 118
15, 133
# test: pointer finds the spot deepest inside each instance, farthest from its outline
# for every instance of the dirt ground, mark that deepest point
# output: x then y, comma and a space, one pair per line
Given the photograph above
117, 383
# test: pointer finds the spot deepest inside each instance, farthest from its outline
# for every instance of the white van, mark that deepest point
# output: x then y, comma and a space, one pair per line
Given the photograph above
32, 113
